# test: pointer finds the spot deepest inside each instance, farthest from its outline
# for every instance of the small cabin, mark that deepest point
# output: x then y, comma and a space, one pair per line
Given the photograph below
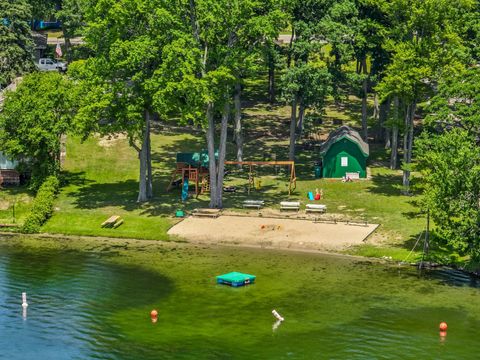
344, 155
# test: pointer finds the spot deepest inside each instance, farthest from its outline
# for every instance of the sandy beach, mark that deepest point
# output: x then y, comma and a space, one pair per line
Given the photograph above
272, 233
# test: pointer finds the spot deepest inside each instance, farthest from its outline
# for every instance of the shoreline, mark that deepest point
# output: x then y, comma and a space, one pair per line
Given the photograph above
180, 242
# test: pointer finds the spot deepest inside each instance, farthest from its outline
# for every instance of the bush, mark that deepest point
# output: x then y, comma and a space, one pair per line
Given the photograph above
42, 207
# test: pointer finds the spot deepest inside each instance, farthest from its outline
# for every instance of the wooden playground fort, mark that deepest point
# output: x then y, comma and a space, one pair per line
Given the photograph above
192, 170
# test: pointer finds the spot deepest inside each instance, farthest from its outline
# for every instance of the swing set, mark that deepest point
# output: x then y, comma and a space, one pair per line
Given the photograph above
251, 174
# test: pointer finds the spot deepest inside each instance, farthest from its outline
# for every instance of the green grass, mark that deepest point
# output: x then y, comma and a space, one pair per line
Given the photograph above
102, 181
15, 203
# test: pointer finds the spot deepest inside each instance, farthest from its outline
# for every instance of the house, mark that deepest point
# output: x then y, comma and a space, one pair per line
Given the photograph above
344, 154
8, 174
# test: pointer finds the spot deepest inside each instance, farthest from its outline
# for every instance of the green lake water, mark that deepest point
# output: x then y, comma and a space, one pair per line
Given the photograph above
91, 300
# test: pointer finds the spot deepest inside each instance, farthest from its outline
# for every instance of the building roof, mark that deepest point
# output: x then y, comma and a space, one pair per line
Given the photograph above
348, 133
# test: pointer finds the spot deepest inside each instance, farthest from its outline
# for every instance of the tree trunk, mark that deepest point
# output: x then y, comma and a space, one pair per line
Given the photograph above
271, 77
364, 100
238, 122
393, 157
408, 148
293, 126
149, 158
406, 134
301, 114
222, 154
212, 165
68, 47
382, 118
290, 47
143, 193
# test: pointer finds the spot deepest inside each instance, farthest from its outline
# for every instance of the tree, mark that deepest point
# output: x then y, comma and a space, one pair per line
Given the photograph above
33, 119
220, 31
456, 104
309, 86
16, 44
426, 37
304, 66
450, 164
71, 16
127, 38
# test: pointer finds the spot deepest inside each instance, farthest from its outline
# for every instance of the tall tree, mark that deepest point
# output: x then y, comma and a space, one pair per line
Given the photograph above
127, 38
220, 46
70, 13
450, 164
426, 36
16, 44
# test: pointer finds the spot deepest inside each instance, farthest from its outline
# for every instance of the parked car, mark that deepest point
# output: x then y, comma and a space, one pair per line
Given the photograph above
46, 64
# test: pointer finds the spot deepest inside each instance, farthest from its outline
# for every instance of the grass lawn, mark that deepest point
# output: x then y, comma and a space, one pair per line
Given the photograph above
15, 203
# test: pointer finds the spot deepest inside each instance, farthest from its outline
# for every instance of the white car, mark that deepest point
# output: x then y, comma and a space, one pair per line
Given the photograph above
46, 64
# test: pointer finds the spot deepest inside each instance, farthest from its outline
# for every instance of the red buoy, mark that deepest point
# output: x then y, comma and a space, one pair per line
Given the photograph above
153, 314
443, 326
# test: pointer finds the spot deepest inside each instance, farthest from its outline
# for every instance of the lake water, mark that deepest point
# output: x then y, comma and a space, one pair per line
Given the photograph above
92, 301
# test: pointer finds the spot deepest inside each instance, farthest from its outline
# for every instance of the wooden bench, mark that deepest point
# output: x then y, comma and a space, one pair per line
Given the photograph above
257, 204
210, 213
290, 205
316, 208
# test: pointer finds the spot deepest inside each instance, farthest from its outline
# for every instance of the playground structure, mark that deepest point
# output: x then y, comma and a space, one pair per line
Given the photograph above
190, 175
251, 175
192, 170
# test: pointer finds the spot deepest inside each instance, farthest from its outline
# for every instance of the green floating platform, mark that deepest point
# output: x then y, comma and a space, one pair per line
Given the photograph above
235, 279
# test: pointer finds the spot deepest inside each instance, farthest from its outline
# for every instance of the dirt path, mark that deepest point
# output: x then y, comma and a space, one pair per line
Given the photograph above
272, 233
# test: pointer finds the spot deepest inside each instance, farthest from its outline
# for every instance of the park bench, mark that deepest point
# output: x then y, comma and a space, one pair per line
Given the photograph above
316, 208
290, 205
209, 213
257, 204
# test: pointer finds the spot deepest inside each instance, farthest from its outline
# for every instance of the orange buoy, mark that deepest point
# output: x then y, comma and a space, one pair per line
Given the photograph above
153, 314
443, 326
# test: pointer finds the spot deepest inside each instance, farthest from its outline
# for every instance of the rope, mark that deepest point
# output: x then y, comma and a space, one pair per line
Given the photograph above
414, 246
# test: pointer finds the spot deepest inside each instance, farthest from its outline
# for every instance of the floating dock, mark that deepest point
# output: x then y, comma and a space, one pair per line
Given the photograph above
236, 279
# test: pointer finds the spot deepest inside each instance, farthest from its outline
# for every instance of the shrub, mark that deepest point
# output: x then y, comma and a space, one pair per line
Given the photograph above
42, 207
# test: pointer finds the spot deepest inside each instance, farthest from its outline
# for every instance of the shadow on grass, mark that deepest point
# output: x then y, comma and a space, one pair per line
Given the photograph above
387, 184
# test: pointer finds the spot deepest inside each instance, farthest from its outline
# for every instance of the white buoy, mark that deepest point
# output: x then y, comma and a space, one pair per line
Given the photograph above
24, 299
277, 315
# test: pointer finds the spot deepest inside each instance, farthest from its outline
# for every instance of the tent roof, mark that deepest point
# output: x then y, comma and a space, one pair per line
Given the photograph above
345, 132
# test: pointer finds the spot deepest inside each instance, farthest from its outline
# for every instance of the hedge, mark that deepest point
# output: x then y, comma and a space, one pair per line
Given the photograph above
42, 207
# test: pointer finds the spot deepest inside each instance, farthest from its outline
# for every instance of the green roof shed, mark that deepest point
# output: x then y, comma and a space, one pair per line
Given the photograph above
344, 154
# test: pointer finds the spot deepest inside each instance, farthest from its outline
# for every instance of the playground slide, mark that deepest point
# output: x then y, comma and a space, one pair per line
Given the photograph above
185, 190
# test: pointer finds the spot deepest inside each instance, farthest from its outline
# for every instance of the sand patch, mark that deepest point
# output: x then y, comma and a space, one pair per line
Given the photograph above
276, 233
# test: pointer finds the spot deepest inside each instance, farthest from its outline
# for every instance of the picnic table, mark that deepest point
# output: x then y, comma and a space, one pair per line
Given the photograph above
113, 221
